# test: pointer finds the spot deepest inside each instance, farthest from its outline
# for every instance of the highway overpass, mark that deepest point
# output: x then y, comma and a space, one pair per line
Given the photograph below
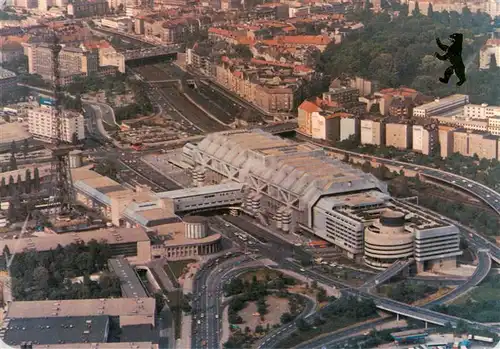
151, 52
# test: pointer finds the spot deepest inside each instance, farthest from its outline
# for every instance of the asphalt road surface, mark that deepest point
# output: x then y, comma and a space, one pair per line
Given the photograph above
171, 99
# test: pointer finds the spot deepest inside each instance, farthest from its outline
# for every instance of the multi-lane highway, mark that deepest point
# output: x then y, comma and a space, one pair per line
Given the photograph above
168, 95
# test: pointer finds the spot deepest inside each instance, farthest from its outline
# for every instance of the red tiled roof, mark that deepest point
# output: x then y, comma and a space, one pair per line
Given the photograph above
309, 107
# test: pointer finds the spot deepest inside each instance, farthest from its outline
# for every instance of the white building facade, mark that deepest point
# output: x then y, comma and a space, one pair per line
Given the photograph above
41, 123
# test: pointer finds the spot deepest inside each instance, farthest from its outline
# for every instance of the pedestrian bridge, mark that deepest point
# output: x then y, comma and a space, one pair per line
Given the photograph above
151, 52
378, 279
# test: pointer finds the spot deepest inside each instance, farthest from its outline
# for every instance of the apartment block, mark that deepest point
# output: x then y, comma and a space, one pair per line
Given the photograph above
326, 126
372, 132
72, 61
491, 48
445, 134
274, 99
441, 106
341, 95
305, 111
88, 8
461, 142
388, 95
425, 138
398, 135
484, 145
41, 123
349, 126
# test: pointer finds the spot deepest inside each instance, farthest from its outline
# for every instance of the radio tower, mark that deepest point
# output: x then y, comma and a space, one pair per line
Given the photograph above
62, 186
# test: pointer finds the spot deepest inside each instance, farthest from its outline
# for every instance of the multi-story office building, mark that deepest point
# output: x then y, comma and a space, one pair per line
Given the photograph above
298, 187
481, 111
42, 124
440, 106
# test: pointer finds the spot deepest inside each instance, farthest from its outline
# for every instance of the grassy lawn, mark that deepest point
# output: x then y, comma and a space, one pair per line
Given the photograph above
480, 294
175, 269
330, 326
261, 275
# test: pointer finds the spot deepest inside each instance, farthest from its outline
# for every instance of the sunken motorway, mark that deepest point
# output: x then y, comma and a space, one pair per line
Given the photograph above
172, 97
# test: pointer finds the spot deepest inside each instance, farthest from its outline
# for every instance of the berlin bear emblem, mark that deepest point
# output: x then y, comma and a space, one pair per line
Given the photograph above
453, 53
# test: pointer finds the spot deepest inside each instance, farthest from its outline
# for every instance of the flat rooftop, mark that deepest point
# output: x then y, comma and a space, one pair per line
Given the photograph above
179, 239
436, 103
120, 345
205, 190
48, 242
13, 131
6, 74
82, 307
130, 284
56, 330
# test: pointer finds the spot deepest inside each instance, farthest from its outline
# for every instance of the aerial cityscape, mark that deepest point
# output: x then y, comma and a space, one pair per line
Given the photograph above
219, 174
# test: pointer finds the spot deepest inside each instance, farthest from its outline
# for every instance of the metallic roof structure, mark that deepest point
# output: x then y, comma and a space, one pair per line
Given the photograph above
296, 174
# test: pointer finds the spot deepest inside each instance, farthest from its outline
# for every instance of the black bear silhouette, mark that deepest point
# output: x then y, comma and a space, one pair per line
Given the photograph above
453, 53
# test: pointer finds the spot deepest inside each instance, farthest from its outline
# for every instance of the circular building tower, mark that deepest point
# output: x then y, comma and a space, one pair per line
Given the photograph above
387, 241
195, 227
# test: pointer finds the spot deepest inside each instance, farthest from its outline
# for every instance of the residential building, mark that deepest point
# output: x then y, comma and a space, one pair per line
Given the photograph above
349, 126
445, 134
305, 112
365, 87
42, 124
441, 106
88, 8
372, 132
26, 4
274, 99
401, 108
341, 95
491, 48
465, 123
72, 61
387, 95
425, 138
10, 51
461, 142
484, 145
325, 126
199, 62
398, 135
173, 33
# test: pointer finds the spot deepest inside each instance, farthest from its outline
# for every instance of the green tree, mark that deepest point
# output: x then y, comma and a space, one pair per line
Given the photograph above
416, 10
286, 318
13, 148
302, 325
12, 163
36, 179
28, 181
25, 147
430, 11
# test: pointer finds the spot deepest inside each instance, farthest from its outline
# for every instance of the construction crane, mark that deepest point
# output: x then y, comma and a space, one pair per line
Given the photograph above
62, 194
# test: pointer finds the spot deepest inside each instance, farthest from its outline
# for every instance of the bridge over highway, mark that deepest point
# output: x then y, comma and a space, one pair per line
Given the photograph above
151, 52
378, 279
